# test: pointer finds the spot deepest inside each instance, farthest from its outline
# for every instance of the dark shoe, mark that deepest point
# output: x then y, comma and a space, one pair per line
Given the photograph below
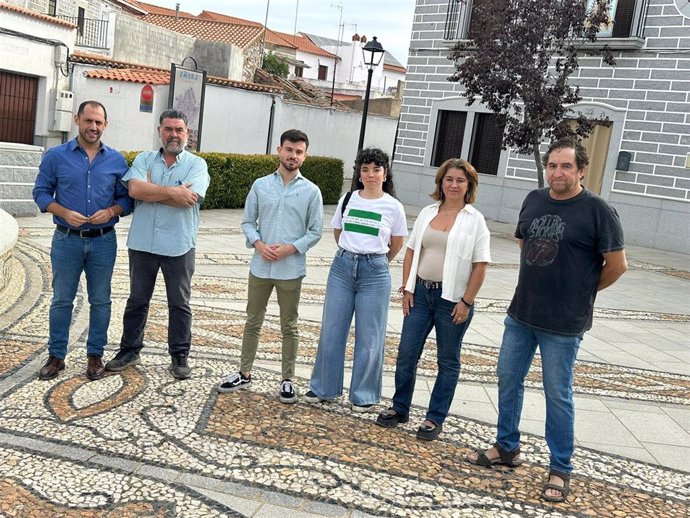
505, 458
312, 398
94, 368
122, 360
564, 489
178, 366
390, 418
429, 432
287, 392
233, 382
51, 368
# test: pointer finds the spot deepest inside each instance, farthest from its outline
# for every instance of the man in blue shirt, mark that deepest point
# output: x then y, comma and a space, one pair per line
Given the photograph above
169, 186
79, 183
283, 218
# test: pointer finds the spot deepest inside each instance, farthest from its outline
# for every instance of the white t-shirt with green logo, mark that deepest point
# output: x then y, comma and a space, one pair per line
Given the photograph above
368, 225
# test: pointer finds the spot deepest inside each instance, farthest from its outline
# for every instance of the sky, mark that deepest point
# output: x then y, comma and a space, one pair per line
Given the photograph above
389, 20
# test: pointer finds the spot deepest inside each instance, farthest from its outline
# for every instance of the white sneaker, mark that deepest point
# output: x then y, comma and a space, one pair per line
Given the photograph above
361, 409
287, 392
312, 398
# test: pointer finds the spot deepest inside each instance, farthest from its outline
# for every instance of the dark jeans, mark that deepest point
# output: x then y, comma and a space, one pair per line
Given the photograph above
177, 273
429, 311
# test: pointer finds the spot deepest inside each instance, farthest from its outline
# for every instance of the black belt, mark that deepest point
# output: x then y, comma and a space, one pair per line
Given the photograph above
90, 232
429, 285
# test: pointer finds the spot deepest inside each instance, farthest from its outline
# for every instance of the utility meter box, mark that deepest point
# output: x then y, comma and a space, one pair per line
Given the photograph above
64, 104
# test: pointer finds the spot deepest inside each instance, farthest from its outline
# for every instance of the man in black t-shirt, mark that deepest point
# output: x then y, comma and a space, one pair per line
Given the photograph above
571, 244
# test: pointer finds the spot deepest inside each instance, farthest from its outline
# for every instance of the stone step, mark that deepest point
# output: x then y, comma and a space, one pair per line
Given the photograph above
18, 174
19, 207
20, 154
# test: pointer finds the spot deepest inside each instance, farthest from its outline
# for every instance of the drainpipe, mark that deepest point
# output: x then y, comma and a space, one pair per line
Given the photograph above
271, 118
177, 12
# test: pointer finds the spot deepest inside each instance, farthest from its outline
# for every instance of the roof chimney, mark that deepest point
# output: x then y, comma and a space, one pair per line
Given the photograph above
177, 11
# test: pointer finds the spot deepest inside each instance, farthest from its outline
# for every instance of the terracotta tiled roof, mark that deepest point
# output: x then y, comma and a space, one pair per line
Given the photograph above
134, 73
36, 14
154, 9
210, 15
241, 35
131, 75
302, 43
346, 97
394, 68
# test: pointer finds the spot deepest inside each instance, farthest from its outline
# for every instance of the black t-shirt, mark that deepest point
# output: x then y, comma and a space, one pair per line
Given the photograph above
561, 260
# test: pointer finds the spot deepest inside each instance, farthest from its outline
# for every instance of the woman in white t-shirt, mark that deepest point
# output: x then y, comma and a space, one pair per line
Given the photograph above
445, 264
370, 231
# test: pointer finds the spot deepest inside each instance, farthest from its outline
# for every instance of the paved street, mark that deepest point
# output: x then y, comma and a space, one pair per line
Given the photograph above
139, 443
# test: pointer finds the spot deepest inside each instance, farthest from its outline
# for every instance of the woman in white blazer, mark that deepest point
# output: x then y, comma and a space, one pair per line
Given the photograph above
445, 264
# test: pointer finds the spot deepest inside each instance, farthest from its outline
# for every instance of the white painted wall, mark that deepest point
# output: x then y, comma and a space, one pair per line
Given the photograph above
235, 121
24, 56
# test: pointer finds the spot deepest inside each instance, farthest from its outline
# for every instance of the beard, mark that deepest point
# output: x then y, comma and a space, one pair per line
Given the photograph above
174, 146
290, 166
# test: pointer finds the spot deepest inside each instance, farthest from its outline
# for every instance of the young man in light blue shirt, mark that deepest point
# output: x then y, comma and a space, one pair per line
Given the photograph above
169, 186
283, 218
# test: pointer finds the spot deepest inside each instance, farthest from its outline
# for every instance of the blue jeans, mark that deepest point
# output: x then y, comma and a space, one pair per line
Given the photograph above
177, 274
70, 255
358, 284
429, 311
558, 353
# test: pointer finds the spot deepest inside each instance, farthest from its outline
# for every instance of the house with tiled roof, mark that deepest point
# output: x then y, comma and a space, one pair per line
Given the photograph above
306, 60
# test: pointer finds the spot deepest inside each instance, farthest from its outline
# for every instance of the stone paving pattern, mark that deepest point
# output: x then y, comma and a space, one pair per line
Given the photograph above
139, 443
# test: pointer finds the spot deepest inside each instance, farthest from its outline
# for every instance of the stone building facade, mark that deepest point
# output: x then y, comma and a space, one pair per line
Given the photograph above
641, 163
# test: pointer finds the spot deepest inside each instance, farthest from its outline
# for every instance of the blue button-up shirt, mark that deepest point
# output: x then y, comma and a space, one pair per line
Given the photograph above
158, 228
67, 177
283, 214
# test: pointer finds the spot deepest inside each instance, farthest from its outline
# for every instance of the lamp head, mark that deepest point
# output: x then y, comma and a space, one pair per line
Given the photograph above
373, 53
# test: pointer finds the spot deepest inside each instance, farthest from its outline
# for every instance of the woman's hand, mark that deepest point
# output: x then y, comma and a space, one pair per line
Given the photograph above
460, 313
408, 302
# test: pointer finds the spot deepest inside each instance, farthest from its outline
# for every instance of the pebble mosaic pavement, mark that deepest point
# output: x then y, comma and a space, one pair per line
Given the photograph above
150, 423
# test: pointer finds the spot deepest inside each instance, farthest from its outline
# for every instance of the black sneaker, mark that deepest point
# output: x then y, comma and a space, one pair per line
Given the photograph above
234, 381
312, 398
122, 360
178, 366
287, 392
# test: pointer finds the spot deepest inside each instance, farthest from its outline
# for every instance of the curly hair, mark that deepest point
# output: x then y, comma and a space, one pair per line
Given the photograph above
581, 157
470, 174
376, 156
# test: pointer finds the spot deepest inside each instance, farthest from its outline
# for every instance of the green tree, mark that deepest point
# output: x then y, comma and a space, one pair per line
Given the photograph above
518, 60
275, 64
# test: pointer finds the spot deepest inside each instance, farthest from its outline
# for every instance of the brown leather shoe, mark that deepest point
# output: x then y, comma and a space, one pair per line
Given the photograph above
51, 368
95, 369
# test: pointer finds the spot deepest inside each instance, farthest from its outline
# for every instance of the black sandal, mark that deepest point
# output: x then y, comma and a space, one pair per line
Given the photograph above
429, 432
390, 418
505, 458
564, 489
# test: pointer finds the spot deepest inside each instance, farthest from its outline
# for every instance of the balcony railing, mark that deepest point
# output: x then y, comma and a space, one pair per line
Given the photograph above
90, 32
628, 20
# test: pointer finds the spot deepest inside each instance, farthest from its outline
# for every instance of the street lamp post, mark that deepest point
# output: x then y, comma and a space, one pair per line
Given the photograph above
373, 53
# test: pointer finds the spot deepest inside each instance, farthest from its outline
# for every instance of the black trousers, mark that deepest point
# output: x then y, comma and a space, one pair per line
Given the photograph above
177, 273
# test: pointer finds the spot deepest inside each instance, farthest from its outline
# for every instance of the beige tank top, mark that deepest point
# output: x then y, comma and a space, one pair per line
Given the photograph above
433, 254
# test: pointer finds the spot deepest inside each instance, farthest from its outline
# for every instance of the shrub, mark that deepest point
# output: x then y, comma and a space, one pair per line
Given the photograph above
232, 176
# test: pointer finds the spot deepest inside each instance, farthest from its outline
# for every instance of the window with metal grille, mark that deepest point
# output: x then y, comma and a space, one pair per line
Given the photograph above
450, 131
485, 148
323, 72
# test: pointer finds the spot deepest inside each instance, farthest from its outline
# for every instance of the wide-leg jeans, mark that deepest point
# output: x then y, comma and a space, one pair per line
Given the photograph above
70, 255
177, 273
359, 285
558, 353
430, 311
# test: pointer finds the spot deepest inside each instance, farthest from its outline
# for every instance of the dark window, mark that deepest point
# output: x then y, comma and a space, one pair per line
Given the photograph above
81, 15
622, 21
299, 71
485, 148
52, 7
18, 99
323, 72
450, 130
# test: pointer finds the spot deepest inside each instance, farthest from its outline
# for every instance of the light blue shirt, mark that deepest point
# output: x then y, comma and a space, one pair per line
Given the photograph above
283, 214
158, 228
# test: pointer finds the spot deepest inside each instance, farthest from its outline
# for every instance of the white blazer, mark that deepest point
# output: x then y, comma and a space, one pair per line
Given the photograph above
468, 242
